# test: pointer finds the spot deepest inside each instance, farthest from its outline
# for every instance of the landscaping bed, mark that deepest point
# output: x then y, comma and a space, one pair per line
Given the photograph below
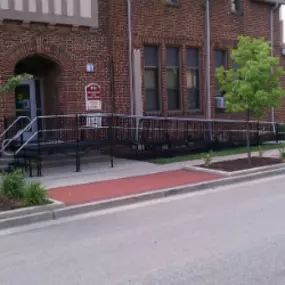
230, 151
242, 164
16, 192
7, 203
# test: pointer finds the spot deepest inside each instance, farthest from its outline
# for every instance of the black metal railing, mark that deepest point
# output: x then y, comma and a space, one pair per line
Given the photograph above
131, 136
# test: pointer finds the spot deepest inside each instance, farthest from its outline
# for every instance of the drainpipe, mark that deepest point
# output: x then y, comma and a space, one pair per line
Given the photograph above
130, 39
271, 31
208, 62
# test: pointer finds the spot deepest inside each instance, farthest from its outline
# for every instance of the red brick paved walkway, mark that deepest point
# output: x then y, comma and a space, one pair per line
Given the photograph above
85, 193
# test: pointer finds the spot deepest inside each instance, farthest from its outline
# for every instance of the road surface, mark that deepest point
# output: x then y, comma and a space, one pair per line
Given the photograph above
227, 236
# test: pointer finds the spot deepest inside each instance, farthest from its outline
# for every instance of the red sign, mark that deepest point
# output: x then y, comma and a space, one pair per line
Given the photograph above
93, 97
93, 92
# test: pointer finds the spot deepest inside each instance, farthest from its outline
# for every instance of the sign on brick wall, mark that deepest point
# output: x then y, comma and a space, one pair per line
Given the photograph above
93, 97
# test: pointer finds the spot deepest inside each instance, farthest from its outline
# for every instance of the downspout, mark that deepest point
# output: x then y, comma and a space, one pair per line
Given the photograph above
130, 39
271, 31
208, 63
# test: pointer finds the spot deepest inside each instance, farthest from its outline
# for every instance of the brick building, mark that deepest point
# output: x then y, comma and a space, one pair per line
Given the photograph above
170, 47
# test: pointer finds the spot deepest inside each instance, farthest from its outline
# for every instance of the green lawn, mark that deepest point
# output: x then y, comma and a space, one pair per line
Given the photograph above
217, 153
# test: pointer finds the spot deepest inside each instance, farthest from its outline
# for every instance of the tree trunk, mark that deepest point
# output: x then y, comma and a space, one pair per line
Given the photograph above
248, 137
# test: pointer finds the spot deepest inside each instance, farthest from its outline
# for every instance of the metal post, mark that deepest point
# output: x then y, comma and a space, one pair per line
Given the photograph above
208, 63
77, 153
130, 38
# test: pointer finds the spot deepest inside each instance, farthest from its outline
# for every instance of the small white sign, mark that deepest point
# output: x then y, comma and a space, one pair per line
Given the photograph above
93, 121
90, 67
94, 105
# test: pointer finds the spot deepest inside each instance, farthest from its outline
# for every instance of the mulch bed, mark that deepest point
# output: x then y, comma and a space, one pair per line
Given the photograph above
242, 164
7, 204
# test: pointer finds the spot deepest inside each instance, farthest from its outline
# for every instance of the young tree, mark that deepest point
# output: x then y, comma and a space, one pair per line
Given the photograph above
253, 85
13, 82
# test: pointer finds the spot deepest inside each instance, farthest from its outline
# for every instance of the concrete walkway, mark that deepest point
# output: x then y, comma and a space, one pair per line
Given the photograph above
96, 172
128, 178
84, 193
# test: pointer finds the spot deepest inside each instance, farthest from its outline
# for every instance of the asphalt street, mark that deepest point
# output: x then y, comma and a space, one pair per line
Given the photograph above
232, 235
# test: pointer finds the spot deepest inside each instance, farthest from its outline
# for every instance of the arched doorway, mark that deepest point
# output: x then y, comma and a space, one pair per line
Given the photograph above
37, 96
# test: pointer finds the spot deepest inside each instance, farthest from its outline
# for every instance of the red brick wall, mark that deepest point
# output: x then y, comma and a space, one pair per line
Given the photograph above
70, 48
153, 23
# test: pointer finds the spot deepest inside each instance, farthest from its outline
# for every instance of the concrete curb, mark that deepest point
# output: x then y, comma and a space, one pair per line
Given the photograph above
159, 194
235, 173
26, 220
29, 215
62, 212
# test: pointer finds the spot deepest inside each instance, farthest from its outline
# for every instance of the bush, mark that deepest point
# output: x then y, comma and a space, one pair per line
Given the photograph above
12, 184
14, 188
208, 157
34, 194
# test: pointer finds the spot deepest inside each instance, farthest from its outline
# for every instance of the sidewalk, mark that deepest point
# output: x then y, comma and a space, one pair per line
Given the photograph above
96, 172
79, 194
128, 178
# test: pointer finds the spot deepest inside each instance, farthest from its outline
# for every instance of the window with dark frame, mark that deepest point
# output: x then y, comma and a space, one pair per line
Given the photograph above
193, 78
172, 3
151, 78
173, 78
236, 6
220, 60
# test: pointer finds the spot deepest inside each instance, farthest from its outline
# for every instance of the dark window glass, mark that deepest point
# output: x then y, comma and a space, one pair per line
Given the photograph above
193, 86
192, 57
151, 56
193, 78
236, 6
151, 78
172, 57
38, 94
173, 78
220, 60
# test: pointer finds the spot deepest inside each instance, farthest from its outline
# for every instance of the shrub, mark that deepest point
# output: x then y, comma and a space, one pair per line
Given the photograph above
12, 184
208, 158
34, 194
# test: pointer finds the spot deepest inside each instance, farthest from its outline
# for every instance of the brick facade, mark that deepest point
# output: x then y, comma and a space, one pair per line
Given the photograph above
152, 23
70, 48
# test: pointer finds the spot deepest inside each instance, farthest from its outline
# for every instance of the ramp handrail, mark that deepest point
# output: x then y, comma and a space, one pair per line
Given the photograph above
139, 122
7, 142
26, 142
14, 122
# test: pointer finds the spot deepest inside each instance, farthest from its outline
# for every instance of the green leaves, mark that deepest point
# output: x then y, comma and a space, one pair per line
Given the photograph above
255, 83
14, 187
13, 82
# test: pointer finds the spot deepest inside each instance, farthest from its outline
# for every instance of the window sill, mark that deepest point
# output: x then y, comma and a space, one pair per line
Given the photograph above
178, 111
195, 111
152, 113
168, 4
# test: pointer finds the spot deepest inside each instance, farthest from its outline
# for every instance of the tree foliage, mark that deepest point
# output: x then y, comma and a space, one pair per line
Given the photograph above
13, 82
254, 83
